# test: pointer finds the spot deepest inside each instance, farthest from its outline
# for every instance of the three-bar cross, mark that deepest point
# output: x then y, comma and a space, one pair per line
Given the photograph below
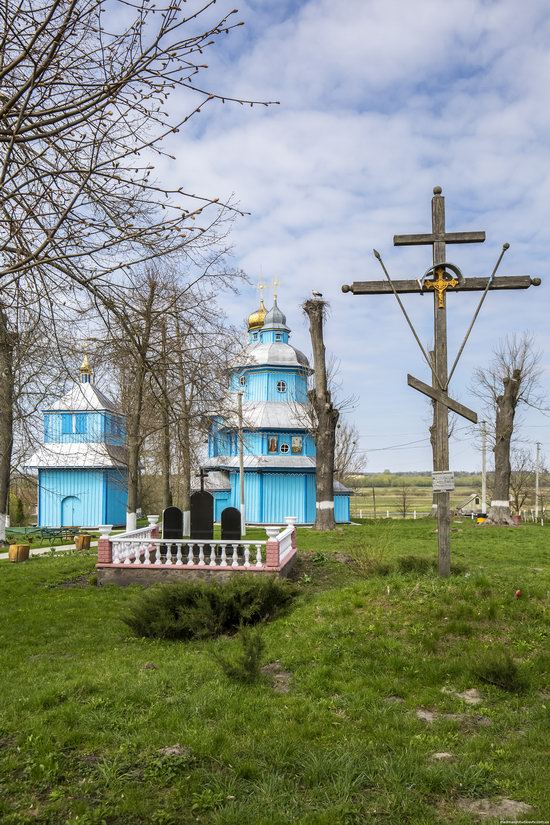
442, 282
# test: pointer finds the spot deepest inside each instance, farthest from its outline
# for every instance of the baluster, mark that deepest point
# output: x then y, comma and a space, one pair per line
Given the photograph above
213, 554
179, 561
235, 562
168, 559
116, 552
247, 556
127, 553
201, 555
223, 557
158, 559
137, 559
259, 562
190, 559
148, 550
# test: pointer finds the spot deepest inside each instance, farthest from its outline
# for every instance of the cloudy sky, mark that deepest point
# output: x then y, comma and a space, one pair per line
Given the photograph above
380, 100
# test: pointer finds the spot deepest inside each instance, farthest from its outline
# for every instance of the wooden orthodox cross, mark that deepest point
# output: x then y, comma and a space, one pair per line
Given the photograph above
445, 277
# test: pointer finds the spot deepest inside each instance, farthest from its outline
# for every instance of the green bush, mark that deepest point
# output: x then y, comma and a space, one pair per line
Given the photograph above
202, 610
498, 668
247, 666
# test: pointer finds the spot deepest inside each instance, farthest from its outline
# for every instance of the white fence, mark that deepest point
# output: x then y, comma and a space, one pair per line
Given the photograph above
187, 552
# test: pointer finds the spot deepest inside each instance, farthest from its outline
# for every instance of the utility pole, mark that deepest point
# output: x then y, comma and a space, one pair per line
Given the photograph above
537, 489
483, 468
374, 502
241, 463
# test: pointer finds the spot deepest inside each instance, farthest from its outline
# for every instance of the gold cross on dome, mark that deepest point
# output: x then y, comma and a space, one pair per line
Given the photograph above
441, 284
275, 284
260, 287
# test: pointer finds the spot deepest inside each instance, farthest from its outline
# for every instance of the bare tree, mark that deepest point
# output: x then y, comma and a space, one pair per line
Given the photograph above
348, 458
326, 418
510, 382
82, 117
522, 478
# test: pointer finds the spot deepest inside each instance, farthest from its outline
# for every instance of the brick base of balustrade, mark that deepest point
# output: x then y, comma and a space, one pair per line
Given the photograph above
125, 574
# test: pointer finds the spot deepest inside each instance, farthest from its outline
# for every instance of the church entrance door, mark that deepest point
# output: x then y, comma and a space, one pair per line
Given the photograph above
71, 512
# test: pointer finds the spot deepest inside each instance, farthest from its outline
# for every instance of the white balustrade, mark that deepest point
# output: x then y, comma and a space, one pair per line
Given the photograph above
138, 547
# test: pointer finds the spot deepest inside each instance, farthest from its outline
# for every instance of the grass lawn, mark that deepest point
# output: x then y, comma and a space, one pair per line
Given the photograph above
84, 722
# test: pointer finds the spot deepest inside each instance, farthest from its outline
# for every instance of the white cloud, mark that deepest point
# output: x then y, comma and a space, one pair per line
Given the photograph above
380, 100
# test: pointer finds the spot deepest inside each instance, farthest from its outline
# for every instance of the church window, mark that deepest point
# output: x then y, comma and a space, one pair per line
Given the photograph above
297, 444
278, 336
281, 386
272, 444
242, 380
73, 423
285, 448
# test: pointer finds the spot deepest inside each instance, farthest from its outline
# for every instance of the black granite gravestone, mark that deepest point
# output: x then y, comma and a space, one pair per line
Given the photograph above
202, 516
231, 524
172, 523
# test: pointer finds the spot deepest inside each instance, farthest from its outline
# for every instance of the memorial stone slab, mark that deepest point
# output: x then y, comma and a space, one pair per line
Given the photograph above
202, 516
231, 524
172, 523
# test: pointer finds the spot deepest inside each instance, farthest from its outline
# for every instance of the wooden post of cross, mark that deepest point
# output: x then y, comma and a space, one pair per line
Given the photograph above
442, 282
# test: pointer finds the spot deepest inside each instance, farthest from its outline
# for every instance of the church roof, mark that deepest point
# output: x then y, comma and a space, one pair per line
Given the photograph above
84, 398
75, 456
277, 354
275, 318
270, 415
215, 481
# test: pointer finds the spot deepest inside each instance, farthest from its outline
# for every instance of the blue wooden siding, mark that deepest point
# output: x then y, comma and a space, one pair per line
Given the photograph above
341, 509
84, 428
56, 485
116, 489
261, 384
273, 336
221, 501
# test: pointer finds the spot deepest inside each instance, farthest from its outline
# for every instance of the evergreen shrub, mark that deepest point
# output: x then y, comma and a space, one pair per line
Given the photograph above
203, 610
246, 666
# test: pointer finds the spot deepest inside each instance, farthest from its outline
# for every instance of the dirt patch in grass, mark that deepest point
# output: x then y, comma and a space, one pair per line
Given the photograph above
464, 719
503, 809
280, 678
176, 750
77, 581
472, 696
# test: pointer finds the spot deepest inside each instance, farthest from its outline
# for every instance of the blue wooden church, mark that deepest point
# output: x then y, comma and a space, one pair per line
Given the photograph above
82, 465
279, 449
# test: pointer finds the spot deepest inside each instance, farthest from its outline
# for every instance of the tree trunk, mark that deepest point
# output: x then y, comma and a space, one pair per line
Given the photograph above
133, 430
165, 435
326, 416
499, 511
6, 419
185, 452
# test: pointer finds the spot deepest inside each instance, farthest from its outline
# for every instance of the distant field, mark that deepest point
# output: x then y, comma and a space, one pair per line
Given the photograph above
396, 493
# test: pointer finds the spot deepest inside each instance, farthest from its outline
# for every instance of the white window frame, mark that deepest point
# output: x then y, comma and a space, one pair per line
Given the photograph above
282, 386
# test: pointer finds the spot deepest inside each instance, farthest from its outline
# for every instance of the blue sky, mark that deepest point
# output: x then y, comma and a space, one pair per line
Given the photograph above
380, 100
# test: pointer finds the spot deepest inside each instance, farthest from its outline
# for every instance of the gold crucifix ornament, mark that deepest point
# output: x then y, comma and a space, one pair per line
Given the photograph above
442, 281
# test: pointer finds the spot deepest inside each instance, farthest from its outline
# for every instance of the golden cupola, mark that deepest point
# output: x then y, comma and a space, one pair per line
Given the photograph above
86, 371
257, 318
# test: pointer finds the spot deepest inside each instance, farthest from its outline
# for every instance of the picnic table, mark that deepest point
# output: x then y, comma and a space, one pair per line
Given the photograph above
63, 534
